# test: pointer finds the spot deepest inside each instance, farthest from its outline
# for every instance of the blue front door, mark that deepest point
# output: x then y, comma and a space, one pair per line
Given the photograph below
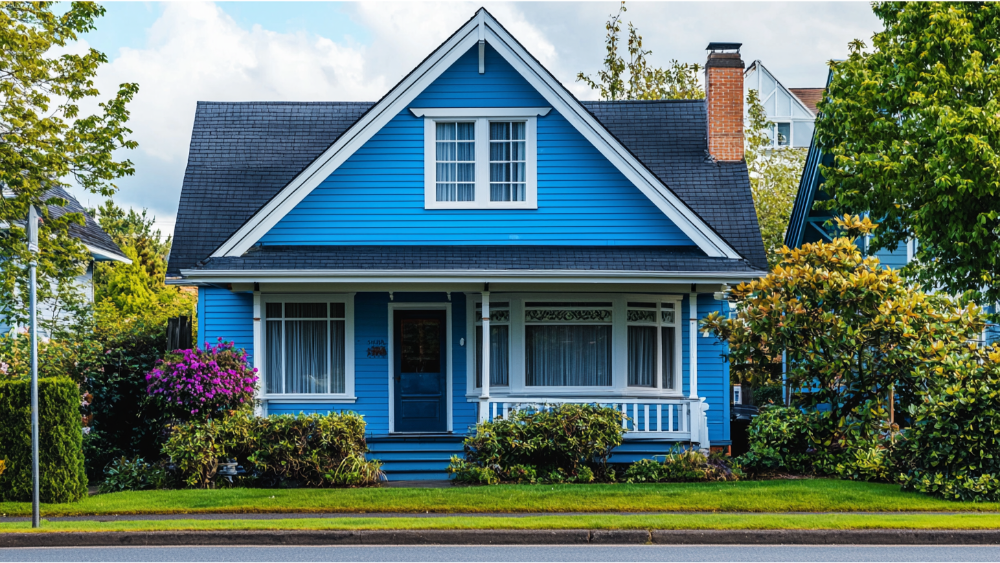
420, 381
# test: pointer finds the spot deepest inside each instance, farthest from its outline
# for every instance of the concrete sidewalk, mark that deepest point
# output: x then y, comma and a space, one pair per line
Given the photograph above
501, 537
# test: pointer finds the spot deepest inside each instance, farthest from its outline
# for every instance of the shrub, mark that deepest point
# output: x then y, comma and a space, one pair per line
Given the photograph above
952, 448
63, 478
779, 442
564, 443
124, 474
306, 450
682, 467
196, 383
874, 461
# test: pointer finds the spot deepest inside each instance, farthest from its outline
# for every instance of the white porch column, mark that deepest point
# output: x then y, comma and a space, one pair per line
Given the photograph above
258, 347
693, 345
484, 395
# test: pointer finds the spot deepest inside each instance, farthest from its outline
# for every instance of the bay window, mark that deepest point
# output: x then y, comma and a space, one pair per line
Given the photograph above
306, 347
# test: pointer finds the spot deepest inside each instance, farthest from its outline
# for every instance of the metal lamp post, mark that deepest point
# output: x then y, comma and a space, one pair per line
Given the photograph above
36, 520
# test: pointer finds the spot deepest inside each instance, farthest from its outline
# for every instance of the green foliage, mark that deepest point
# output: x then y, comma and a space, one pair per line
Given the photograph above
306, 450
850, 329
63, 478
124, 474
779, 440
636, 79
561, 443
47, 142
774, 177
138, 289
953, 444
683, 466
913, 125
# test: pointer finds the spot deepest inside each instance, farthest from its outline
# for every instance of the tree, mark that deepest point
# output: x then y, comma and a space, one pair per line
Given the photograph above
46, 142
850, 330
774, 177
636, 79
138, 289
913, 126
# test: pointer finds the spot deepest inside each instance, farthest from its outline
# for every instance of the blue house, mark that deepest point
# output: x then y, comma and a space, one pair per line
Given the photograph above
476, 241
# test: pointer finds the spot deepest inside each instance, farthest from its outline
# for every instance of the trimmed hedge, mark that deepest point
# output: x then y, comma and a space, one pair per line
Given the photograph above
63, 478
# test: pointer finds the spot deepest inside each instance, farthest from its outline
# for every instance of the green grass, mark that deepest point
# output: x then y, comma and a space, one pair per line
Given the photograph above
604, 522
807, 495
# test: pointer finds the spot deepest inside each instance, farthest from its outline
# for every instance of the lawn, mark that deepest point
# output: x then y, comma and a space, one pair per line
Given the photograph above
590, 522
805, 495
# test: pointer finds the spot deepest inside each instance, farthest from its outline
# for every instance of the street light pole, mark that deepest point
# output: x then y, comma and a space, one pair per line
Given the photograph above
36, 517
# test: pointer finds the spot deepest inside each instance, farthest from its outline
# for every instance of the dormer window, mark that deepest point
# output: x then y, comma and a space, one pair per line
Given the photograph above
480, 158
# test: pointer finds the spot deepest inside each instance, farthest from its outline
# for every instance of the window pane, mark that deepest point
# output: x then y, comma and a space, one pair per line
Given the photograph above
669, 377
273, 310
466, 173
446, 192
420, 345
446, 172
568, 355
466, 131
640, 316
446, 131
499, 131
272, 377
466, 152
642, 356
338, 355
305, 310
517, 131
499, 355
466, 192
337, 310
447, 151
305, 357
507, 161
784, 134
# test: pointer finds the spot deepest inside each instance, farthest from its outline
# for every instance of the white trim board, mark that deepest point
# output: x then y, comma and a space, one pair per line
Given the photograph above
429, 70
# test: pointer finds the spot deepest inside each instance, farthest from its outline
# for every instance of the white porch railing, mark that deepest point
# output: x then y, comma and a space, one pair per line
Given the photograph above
682, 420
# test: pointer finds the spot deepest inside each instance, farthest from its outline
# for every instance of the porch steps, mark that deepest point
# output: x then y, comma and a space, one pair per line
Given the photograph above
415, 458
633, 450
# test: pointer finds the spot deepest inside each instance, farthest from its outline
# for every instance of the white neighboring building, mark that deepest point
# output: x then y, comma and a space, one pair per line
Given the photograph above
793, 110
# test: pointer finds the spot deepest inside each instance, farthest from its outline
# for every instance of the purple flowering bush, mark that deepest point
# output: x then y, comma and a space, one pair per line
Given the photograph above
198, 384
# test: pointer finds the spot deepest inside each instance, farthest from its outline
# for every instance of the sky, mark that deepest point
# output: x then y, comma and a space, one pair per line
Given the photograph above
184, 52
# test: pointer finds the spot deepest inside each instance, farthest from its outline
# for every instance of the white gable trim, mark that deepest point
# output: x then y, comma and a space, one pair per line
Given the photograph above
400, 97
479, 112
760, 67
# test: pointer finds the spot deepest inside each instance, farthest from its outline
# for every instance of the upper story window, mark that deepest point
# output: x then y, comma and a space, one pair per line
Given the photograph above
480, 158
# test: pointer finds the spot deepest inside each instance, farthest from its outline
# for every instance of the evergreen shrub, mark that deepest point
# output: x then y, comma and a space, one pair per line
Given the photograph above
277, 451
63, 478
562, 443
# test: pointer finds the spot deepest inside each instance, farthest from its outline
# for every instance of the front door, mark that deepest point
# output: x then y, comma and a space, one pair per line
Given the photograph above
420, 380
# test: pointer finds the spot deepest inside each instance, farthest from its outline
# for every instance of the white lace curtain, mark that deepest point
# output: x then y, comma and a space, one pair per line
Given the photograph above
305, 355
568, 355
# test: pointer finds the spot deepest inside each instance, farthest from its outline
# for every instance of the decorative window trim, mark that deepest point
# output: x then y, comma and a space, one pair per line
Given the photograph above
619, 347
348, 300
482, 151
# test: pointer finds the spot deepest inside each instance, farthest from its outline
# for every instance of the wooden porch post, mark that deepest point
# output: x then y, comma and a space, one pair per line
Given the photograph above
484, 395
258, 346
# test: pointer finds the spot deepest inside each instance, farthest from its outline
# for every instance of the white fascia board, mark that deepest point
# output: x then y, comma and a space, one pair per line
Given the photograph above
676, 210
356, 136
480, 112
464, 276
102, 255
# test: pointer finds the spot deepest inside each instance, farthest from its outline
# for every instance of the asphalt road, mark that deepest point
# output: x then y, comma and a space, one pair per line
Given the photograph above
875, 554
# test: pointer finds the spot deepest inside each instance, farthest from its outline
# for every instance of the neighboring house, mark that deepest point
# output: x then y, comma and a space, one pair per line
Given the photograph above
362, 252
792, 110
97, 242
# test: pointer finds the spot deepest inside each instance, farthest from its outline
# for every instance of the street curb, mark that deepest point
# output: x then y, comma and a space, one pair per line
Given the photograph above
501, 537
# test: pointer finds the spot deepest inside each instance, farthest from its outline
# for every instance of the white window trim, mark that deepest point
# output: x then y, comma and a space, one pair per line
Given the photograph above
619, 347
482, 190
348, 395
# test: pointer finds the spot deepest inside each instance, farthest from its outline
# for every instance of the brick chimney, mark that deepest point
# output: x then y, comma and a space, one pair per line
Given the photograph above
724, 95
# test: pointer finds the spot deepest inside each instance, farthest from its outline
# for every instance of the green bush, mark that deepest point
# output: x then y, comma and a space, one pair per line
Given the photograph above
779, 441
124, 474
952, 447
564, 443
62, 478
683, 466
305, 450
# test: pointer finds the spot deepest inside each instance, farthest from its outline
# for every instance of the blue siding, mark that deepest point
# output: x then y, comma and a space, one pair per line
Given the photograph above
713, 375
377, 195
226, 315
895, 258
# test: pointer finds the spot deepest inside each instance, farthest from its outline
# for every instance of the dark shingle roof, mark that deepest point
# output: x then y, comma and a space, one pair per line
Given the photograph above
670, 138
90, 232
498, 258
243, 154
